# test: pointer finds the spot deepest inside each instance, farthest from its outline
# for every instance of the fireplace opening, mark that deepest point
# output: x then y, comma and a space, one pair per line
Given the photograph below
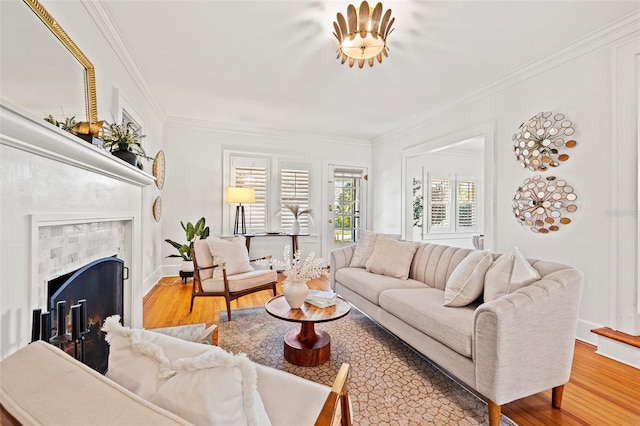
101, 283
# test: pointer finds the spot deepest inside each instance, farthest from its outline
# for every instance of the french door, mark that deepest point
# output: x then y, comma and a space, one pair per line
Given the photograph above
347, 205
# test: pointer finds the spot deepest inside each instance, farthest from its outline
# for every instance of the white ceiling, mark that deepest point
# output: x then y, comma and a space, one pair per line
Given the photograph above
272, 64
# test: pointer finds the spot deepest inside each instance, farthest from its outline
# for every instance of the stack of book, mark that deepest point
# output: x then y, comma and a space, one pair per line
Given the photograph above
321, 299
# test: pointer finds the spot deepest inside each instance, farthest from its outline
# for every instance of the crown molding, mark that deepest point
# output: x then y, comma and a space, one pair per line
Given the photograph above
104, 23
244, 129
616, 31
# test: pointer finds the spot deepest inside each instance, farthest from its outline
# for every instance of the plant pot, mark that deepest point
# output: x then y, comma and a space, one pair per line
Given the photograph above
295, 293
124, 154
186, 266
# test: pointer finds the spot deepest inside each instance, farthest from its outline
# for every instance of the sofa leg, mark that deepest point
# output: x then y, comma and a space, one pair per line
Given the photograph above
494, 414
556, 396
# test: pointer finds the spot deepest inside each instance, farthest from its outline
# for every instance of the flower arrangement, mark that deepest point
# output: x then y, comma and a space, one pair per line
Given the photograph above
295, 269
296, 211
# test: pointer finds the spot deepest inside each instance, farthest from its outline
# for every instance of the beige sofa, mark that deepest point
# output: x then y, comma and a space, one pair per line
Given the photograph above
509, 348
40, 384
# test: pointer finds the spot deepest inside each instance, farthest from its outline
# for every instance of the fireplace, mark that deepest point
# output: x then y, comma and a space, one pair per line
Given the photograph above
101, 283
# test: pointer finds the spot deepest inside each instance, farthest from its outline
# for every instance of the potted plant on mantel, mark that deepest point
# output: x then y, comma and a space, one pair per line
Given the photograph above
123, 141
184, 250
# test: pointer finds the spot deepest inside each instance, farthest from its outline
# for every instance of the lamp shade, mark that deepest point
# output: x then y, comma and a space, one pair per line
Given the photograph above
236, 194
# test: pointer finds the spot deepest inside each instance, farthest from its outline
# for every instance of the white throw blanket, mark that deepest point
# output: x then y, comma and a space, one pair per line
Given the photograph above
201, 383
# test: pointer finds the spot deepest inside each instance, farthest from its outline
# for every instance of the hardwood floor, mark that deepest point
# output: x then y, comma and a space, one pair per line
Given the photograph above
600, 392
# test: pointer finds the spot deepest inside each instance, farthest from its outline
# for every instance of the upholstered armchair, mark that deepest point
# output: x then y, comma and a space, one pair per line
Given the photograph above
222, 269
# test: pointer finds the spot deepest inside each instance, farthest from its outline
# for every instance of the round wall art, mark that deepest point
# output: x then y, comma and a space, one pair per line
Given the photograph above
539, 140
543, 203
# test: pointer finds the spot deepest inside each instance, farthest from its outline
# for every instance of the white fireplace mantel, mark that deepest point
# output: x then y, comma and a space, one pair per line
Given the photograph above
23, 131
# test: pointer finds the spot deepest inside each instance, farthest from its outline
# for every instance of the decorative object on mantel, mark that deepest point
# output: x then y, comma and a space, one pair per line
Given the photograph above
237, 194
89, 132
542, 204
156, 209
363, 34
157, 169
184, 250
123, 140
538, 141
296, 211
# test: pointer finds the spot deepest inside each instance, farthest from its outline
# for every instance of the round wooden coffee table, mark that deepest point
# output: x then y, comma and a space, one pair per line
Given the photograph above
307, 347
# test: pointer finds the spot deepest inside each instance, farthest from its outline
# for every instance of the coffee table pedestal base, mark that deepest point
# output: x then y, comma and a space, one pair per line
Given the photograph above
306, 349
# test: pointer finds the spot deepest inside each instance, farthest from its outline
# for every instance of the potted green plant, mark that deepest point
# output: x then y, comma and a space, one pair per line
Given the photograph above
184, 250
123, 141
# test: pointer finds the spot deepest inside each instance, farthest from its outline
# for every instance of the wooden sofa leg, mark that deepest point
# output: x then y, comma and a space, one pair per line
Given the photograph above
556, 396
494, 414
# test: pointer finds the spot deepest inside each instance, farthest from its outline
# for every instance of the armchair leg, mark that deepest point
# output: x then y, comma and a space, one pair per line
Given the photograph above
228, 309
556, 396
494, 413
191, 307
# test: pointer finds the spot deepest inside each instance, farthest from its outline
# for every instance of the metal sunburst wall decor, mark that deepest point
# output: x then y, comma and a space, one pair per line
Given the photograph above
538, 141
542, 203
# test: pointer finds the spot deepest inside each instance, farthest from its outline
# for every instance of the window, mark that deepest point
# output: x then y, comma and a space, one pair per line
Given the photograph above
452, 204
347, 199
294, 190
253, 173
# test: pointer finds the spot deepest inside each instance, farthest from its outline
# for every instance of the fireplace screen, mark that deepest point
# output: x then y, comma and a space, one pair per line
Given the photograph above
101, 283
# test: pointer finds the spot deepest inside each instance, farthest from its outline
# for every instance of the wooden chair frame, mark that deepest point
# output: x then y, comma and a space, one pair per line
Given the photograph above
197, 291
337, 410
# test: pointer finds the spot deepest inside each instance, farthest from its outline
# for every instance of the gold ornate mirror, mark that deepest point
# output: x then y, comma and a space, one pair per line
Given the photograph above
40, 75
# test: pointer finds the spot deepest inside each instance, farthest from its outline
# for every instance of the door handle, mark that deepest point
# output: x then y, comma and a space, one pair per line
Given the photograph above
330, 207
330, 221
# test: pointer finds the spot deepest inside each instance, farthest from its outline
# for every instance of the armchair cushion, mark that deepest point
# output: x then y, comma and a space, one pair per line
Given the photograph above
233, 252
241, 281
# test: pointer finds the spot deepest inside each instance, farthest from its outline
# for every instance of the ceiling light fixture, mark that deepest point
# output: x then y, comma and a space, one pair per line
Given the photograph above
363, 35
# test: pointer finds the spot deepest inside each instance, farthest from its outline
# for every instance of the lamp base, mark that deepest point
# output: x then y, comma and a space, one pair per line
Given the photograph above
239, 223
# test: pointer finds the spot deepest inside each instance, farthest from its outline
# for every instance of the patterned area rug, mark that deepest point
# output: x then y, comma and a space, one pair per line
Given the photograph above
389, 382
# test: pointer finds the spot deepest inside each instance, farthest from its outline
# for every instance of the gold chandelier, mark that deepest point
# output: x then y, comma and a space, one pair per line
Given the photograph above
363, 35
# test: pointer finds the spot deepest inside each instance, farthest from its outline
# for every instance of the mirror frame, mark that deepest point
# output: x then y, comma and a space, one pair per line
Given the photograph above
89, 75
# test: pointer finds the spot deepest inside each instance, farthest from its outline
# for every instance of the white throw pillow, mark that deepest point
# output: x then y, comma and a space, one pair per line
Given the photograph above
467, 280
233, 252
202, 384
391, 257
365, 246
508, 273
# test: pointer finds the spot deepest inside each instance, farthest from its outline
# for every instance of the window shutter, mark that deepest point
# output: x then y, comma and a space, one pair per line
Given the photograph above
467, 196
294, 190
256, 213
440, 197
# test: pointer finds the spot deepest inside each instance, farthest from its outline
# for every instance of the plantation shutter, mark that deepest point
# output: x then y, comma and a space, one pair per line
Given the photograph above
467, 204
439, 205
294, 191
256, 213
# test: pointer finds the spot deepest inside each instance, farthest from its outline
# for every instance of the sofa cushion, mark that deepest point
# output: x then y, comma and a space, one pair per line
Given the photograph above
422, 308
467, 281
370, 285
508, 273
364, 248
232, 252
183, 375
392, 258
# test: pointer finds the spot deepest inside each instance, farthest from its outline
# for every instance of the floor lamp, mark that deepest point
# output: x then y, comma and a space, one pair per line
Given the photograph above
240, 195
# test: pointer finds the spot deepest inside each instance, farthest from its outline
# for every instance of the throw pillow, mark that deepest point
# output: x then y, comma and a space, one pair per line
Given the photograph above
508, 273
467, 279
364, 248
391, 257
233, 252
179, 376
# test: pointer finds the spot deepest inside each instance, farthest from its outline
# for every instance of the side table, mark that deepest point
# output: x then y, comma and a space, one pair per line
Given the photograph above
184, 275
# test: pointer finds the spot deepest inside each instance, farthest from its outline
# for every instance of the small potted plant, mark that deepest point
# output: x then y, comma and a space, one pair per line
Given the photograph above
123, 141
184, 250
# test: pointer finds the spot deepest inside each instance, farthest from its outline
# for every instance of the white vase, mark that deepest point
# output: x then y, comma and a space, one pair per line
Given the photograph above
186, 266
295, 293
296, 226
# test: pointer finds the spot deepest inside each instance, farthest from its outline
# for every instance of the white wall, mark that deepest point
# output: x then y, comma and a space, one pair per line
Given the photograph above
195, 184
579, 84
